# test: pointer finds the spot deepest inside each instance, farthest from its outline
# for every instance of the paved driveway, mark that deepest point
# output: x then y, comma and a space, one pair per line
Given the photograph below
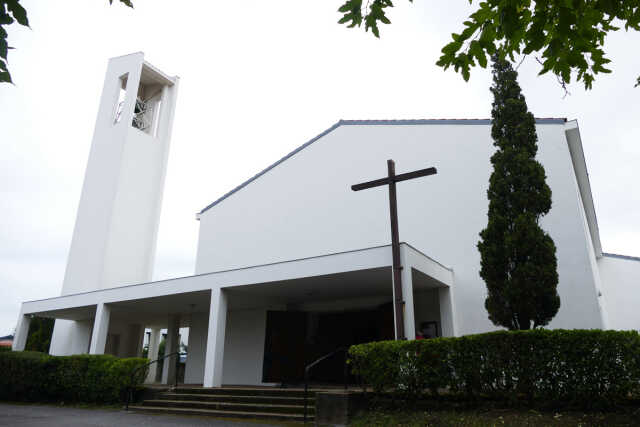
56, 416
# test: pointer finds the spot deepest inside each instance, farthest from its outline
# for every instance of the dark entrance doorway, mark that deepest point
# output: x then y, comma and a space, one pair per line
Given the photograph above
296, 338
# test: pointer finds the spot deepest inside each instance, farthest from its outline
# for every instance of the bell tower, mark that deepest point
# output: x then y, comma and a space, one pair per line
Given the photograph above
116, 227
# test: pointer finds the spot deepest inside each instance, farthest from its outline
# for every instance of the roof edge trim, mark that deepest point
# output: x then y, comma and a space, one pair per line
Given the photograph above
626, 257
409, 122
574, 142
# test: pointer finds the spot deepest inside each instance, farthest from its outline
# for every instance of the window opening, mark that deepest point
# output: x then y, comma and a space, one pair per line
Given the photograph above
141, 115
122, 92
146, 112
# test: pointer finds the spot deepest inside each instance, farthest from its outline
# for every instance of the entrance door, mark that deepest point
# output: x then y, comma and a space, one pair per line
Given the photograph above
294, 339
341, 330
284, 347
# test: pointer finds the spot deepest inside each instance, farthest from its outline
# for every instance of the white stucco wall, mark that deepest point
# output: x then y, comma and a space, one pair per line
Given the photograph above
621, 288
81, 336
305, 207
244, 346
70, 337
194, 369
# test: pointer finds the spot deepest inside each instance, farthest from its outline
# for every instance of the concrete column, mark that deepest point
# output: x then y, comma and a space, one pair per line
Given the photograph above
154, 346
80, 336
171, 345
447, 313
22, 331
407, 295
215, 339
61, 338
100, 329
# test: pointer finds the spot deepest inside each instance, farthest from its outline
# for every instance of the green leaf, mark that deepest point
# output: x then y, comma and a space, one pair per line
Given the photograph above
4, 48
482, 59
18, 12
352, 10
5, 77
377, 13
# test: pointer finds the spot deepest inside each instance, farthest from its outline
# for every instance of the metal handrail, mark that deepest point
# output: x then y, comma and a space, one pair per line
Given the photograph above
307, 370
146, 365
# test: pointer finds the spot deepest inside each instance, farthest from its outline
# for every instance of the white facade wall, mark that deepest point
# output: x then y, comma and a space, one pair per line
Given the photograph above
621, 287
244, 346
194, 369
305, 207
63, 337
82, 336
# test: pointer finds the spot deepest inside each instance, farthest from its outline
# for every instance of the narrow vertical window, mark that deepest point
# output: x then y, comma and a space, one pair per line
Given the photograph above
121, 96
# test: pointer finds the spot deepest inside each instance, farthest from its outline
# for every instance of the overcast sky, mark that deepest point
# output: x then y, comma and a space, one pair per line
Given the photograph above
258, 78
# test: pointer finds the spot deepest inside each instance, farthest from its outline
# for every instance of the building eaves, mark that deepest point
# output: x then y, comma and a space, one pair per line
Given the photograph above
627, 257
399, 122
574, 143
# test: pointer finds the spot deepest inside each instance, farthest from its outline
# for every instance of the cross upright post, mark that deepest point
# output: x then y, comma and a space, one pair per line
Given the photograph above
395, 252
391, 180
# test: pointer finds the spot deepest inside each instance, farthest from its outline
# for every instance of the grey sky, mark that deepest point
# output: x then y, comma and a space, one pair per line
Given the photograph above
257, 79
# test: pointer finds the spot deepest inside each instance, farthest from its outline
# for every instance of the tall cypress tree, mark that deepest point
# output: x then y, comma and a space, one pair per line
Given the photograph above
518, 259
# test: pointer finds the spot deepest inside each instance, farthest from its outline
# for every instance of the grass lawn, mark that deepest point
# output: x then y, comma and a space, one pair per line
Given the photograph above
495, 417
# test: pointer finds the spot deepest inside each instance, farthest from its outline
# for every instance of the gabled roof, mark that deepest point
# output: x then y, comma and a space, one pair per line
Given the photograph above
401, 122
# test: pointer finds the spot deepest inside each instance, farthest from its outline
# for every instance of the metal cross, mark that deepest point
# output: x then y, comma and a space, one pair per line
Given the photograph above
391, 180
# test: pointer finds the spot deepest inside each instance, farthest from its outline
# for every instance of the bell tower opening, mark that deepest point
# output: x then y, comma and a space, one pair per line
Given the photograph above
146, 112
148, 102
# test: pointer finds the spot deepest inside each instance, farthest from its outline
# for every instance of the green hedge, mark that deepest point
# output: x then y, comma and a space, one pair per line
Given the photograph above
591, 368
37, 377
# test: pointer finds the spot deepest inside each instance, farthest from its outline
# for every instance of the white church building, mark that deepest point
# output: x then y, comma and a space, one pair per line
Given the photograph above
292, 263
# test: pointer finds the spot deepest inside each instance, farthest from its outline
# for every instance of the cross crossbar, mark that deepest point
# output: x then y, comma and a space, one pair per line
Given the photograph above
397, 178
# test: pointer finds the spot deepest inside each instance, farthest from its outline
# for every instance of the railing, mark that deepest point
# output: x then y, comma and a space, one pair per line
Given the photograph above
308, 368
146, 365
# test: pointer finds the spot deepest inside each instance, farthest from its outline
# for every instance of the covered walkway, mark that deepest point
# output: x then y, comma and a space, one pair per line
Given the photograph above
227, 311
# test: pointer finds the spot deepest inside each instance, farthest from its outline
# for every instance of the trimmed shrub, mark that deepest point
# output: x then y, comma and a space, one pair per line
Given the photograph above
37, 377
590, 368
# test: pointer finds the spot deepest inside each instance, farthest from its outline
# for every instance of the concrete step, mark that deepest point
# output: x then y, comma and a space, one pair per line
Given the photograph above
226, 406
247, 391
211, 397
221, 414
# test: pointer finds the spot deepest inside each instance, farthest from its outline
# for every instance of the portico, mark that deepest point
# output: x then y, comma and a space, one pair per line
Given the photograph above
226, 311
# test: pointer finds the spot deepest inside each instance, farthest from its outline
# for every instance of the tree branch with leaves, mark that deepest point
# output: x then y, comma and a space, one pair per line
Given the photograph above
568, 36
11, 12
